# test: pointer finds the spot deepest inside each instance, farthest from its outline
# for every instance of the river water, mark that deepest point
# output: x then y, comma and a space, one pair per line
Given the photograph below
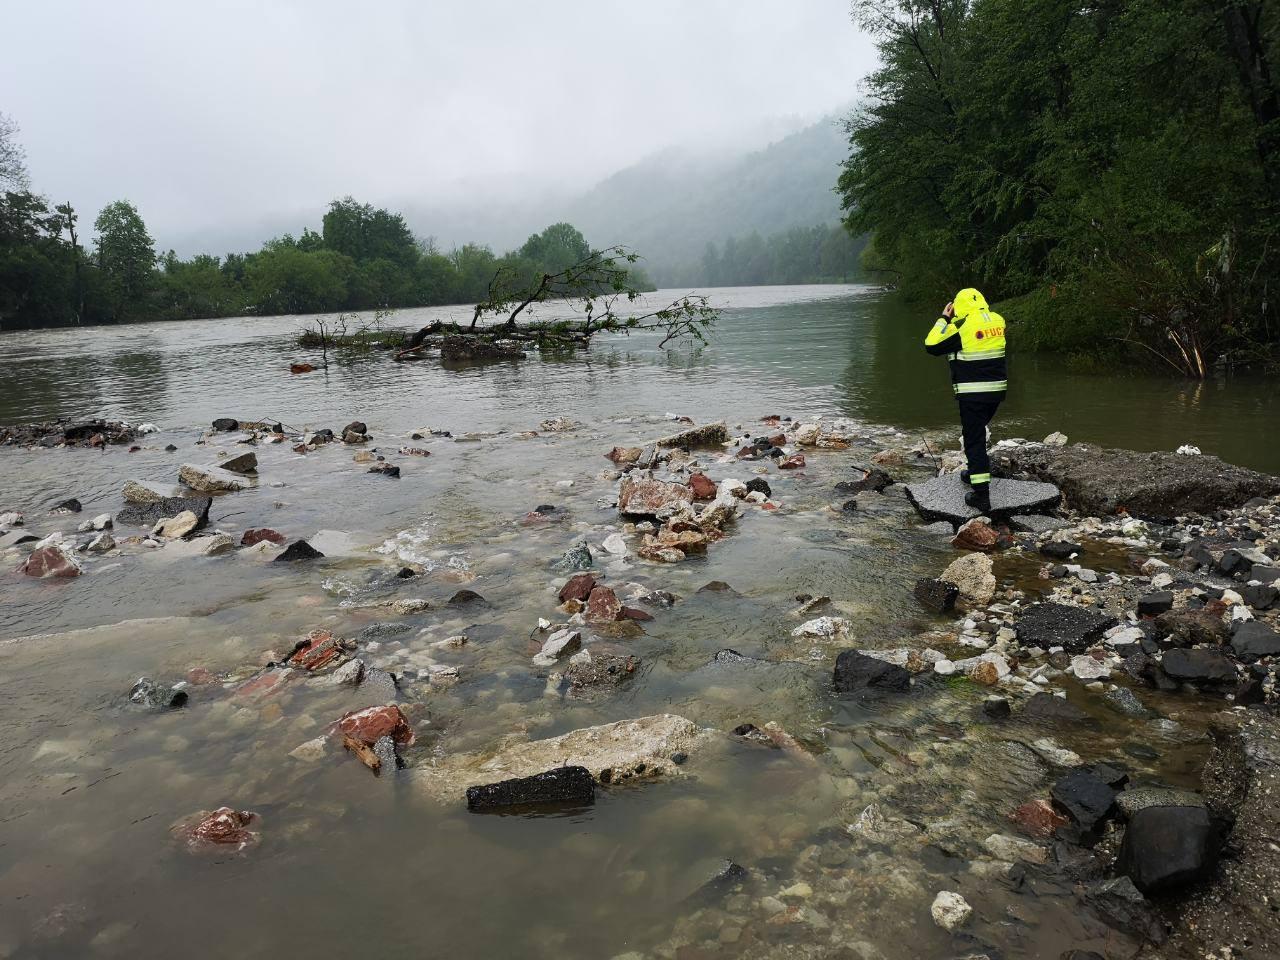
349, 864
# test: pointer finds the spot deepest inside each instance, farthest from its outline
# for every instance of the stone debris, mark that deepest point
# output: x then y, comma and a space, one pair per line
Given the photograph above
218, 828
149, 513
181, 525
209, 479
950, 911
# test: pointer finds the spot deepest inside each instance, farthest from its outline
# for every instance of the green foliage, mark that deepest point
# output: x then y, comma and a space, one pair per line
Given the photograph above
1118, 154
126, 256
820, 254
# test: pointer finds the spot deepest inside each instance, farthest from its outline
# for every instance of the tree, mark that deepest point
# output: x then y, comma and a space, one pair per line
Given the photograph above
13, 159
558, 246
127, 258
68, 222
362, 233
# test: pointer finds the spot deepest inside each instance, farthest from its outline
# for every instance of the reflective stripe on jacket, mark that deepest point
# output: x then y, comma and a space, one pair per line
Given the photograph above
973, 341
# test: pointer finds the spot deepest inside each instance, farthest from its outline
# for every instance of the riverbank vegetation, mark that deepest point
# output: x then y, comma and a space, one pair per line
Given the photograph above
1110, 169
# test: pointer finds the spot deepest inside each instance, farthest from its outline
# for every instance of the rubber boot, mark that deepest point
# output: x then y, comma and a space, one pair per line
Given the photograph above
964, 476
980, 498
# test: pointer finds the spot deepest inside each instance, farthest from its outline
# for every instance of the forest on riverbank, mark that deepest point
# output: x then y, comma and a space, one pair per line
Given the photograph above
1109, 169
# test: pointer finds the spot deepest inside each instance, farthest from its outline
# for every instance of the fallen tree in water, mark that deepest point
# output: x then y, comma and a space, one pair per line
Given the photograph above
597, 288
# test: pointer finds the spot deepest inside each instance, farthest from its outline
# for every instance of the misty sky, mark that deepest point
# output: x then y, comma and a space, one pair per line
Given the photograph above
223, 119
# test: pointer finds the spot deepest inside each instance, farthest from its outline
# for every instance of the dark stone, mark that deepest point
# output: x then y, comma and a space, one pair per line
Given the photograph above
1154, 604
169, 448
1060, 549
725, 877
355, 426
1124, 701
1189, 627
146, 514
1084, 798
717, 586
943, 498
1112, 776
1100, 482
849, 506
147, 693
856, 672
464, 598
1056, 624
1199, 666
1261, 596
546, 509
759, 485
733, 656
387, 470
938, 595
1250, 691
1266, 575
226, 424
71, 505
873, 479
659, 598
1120, 904
1045, 706
299, 550
564, 785
679, 758
997, 708
406, 573
1167, 847
1254, 639
636, 614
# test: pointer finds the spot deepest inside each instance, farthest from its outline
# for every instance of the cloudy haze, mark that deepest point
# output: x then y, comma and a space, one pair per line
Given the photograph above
224, 121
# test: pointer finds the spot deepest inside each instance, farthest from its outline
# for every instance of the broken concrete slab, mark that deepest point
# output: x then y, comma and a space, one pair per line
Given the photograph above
625, 751
1049, 625
942, 498
208, 479
562, 786
149, 514
712, 434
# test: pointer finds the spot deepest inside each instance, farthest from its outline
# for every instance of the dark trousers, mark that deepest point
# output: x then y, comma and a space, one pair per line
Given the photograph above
976, 411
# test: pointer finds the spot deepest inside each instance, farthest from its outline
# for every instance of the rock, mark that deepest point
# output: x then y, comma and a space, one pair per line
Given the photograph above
11, 518
1200, 666
1100, 482
259, 535
357, 427
825, 629
1004, 847
212, 479
312, 750
973, 578
645, 498
102, 543
1056, 624
318, 650
101, 522
203, 545
1045, 706
466, 598
226, 424
1154, 604
51, 561
759, 485
703, 487
1121, 905
372, 723
856, 672
578, 587
942, 498
149, 513
178, 526
1260, 596
600, 670
577, 557
615, 544
71, 505
245, 463
1084, 798
221, 827
88, 433
1188, 627
1084, 667
1255, 639
384, 469
1056, 439
299, 550
349, 674
793, 462
624, 455
1124, 701
559, 644
950, 911
872, 479
603, 606
1168, 846
561, 786
1129, 802
713, 434
151, 695
975, 534
1038, 818
938, 595
614, 753
997, 708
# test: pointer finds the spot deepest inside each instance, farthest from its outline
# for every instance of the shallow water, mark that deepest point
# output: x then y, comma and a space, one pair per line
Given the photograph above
349, 863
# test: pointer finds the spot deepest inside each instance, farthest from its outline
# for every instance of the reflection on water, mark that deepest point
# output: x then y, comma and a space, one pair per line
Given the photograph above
352, 865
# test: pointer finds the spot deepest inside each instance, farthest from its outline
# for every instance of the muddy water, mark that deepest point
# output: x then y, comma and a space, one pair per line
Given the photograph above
349, 864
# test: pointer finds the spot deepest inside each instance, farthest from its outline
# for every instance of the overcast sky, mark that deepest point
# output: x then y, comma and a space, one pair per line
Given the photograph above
220, 115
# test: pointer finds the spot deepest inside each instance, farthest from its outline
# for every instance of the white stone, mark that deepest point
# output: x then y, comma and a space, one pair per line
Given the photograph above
557, 645
972, 573
950, 910
176, 526
1231, 598
823, 628
1239, 614
615, 544
1120, 636
1162, 580
1086, 667
807, 434
212, 479
944, 667
729, 487
147, 427
310, 751
102, 543
1004, 847
1056, 439
1055, 753
11, 518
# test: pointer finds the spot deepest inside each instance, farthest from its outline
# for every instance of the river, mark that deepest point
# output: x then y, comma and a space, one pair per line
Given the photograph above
349, 864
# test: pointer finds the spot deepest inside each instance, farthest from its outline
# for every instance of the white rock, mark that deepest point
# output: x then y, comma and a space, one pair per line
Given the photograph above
755, 496
1231, 598
807, 434
11, 518
1153, 566
1122, 635
972, 573
102, 543
1004, 847
944, 667
556, 646
1187, 450
1239, 614
1056, 439
729, 487
310, 751
1161, 580
1086, 667
616, 544
950, 910
823, 628
1055, 753
147, 427
176, 526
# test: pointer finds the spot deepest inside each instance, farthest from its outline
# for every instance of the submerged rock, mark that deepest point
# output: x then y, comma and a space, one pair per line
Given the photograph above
646, 498
855, 672
52, 560
950, 911
938, 595
148, 514
212, 479
153, 696
561, 786
218, 828
942, 498
299, 550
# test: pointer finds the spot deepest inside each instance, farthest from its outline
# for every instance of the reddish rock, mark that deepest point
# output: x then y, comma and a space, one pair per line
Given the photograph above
301, 368
578, 587
778, 439
688, 541
319, 650
199, 676
631, 613
50, 561
1037, 818
703, 487
250, 537
793, 462
624, 455
986, 673
976, 535
223, 826
300, 448
264, 683
368, 725
603, 606
646, 497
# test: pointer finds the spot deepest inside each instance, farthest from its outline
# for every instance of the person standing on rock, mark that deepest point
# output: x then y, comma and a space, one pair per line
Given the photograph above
971, 336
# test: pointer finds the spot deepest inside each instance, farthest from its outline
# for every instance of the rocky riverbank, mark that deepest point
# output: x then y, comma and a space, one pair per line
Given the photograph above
1029, 755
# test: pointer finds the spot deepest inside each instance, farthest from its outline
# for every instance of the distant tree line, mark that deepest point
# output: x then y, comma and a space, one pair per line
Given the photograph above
825, 253
362, 258
1114, 165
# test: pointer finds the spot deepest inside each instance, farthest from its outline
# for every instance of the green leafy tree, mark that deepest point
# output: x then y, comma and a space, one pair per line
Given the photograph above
127, 257
362, 233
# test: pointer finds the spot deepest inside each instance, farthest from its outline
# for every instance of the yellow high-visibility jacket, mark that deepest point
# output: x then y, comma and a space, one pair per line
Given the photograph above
973, 340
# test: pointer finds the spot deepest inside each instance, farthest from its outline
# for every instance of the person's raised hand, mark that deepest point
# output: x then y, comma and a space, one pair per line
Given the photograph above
949, 310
